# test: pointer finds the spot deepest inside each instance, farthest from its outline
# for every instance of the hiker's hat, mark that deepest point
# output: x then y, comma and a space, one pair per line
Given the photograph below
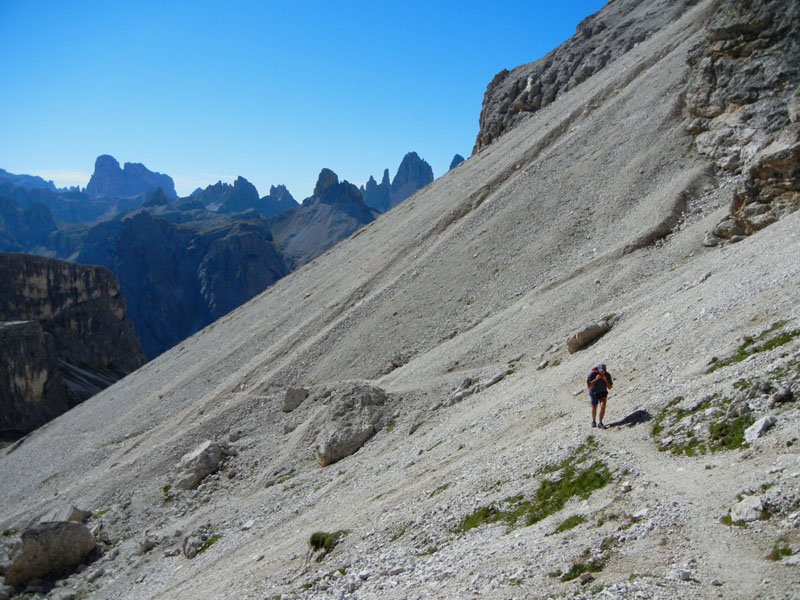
602, 368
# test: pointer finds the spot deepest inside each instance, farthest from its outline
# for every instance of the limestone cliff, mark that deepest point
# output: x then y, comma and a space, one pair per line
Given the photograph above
69, 337
600, 40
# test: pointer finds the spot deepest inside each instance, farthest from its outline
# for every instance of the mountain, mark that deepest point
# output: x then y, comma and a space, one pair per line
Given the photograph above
412, 175
242, 196
26, 181
457, 160
65, 338
332, 213
23, 228
132, 179
180, 267
407, 416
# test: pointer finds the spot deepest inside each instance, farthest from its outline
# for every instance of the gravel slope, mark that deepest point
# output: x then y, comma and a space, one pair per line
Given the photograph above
595, 206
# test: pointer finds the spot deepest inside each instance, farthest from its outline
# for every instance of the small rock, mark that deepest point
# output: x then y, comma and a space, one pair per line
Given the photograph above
782, 396
681, 575
543, 364
248, 525
716, 582
586, 578
364, 575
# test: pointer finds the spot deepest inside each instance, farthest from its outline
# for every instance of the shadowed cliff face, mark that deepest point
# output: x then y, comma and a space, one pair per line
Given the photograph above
69, 339
412, 175
179, 278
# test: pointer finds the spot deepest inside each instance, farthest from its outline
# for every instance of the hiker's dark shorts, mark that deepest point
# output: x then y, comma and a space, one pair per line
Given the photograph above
596, 398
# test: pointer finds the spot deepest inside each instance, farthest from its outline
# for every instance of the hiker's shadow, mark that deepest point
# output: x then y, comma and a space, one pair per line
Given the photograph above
635, 418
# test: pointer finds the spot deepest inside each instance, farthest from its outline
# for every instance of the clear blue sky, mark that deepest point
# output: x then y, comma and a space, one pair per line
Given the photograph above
272, 91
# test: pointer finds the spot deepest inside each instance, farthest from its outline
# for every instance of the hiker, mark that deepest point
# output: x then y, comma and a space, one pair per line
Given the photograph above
599, 382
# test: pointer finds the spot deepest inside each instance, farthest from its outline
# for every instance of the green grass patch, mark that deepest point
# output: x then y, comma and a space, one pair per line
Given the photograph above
551, 496
9, 532
779, 552
578, 569
768, 340
324, 543
439, 490
570, 523
208, 543
390, 426
727, 520
729, 434
166, 493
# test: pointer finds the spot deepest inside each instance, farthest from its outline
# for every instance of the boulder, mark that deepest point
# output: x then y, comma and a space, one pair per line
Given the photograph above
68, 512
752, 433
587, 335
354, 415
294, 397
750, 508
201, 462
48, 550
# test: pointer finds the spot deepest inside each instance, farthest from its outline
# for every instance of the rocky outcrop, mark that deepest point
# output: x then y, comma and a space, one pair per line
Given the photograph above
376, 195
75, 338
132, 179
412, 175
243, 196
600, 39
457, 160
742, 102
335, 211
33, 391
278, 200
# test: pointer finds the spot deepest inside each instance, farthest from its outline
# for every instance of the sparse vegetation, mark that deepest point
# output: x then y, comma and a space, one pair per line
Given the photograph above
167, 494
769, 339
729, 434
9, 532
208, 543
779, 552
570, 523
578, 569
551, 496
324, 543
439, 490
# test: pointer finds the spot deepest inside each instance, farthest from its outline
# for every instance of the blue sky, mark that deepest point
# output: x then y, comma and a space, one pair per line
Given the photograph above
273, 91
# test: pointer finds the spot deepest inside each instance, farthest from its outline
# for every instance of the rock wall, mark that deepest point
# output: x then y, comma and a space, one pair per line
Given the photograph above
32, 392
743, 108
69, 337
600, 39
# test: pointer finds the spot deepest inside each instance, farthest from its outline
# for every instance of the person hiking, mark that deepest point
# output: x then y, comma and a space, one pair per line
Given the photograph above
599, 382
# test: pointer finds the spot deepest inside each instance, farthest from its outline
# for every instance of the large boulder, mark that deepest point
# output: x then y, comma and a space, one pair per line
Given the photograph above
48, 550
587, 335
201, 462
354, 414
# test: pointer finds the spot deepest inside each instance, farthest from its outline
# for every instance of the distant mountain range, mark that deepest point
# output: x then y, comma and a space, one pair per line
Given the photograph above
184, 262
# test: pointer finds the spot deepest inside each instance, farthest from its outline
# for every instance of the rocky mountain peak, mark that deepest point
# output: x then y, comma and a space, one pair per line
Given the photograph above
111, 181
326, 179
457, 160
